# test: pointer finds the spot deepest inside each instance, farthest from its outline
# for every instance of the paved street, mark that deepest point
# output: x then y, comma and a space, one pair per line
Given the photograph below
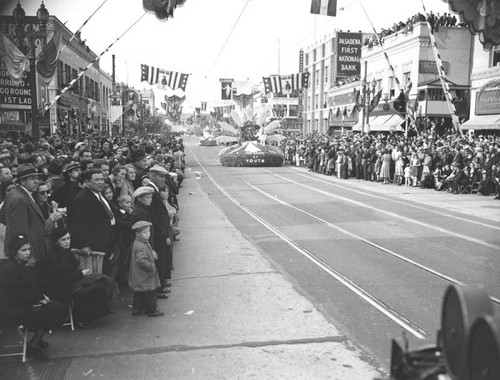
281, 273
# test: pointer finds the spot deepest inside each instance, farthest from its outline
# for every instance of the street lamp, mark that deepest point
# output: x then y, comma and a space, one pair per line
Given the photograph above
19, 20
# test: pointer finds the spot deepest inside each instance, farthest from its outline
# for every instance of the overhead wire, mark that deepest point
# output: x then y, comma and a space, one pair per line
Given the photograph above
343, 9
227, 39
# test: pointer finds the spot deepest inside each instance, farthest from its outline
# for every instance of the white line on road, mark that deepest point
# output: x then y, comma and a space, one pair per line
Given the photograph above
427, 209
392, 214
357, 237
372, 300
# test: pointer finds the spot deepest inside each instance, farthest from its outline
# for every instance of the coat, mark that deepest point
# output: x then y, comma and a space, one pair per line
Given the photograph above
57, 272
17, 292
89, 224
23, 216
143, 275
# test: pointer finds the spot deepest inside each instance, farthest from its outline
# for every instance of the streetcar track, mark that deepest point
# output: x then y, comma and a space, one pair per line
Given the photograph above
389, 213
378, 304
362, 239
397, 201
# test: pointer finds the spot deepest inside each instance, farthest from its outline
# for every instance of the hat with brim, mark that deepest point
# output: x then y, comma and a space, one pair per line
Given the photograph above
143, 190
137, 155
26, 170
5, 156
71, 166
157, 169
140, 224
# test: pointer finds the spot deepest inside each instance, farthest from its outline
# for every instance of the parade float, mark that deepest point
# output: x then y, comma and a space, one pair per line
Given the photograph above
208, 138
251, 149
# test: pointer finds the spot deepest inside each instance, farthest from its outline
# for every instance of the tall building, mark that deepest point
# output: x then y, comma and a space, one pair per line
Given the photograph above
333, 60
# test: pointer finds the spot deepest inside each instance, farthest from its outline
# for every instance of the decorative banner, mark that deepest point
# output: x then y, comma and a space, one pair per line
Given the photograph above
172, 79
204, 106
285, 84
226, 89
15, 61
46, 63
348, 54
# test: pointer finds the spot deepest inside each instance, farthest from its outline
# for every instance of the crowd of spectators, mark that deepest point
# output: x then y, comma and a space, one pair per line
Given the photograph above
446, 162
71, 200
435, 20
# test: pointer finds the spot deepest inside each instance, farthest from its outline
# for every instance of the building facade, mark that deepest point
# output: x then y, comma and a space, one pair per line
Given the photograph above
330, 62
84, 107
485, 90
412, 57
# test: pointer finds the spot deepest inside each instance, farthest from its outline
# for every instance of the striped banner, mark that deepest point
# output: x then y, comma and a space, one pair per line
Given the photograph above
150, 74
442, 77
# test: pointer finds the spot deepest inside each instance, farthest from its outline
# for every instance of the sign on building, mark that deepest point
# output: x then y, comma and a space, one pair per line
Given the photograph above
348, 54
488, 102
429, 67
15, 96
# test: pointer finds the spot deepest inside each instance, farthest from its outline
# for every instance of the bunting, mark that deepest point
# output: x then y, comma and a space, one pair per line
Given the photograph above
15, 61
285, 84
172, 79
47, 59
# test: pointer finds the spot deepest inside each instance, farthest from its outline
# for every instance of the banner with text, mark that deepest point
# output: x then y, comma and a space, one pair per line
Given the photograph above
348, 54
15, 96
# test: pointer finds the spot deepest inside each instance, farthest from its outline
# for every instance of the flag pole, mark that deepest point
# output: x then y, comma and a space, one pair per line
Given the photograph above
279, 53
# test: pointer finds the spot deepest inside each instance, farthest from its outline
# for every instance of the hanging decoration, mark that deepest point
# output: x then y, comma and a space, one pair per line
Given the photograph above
162, 9
482, 17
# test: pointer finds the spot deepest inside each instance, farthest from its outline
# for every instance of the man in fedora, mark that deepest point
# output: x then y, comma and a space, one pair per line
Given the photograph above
91, 221
140, 162
65, 193
22, 215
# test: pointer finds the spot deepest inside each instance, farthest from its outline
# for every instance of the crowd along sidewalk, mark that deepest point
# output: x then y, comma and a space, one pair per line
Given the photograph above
230, 315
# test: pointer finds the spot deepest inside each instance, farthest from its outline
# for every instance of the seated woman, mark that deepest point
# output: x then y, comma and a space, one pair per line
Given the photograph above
21, 301
62, 279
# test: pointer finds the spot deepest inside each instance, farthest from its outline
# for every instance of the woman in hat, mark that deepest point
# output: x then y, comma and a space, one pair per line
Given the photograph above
62, 278
23, 303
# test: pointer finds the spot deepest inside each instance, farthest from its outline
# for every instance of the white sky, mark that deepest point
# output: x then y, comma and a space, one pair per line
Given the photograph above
192, 40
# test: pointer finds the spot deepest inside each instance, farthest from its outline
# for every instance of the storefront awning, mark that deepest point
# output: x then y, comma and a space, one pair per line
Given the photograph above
386, 123
483, 122
382, 123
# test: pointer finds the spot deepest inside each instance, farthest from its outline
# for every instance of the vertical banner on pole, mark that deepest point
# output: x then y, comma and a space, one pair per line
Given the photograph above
300, 117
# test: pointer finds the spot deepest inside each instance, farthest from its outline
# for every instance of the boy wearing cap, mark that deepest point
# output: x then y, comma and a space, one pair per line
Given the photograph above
143, 275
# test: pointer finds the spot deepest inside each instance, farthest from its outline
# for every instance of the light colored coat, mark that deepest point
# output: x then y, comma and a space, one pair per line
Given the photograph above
143, 275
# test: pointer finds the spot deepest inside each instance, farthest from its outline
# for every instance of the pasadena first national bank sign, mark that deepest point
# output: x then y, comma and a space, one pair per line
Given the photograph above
14, 96
348, 54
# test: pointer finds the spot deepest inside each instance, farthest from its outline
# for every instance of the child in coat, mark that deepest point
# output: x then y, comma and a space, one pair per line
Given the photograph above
143, 276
